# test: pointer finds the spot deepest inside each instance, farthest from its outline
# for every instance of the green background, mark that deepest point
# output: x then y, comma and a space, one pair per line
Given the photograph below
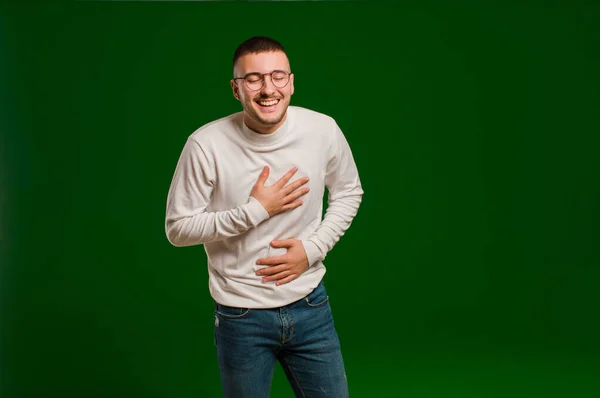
471, 270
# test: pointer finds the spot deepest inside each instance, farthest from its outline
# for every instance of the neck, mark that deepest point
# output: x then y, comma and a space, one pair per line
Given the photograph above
261, 128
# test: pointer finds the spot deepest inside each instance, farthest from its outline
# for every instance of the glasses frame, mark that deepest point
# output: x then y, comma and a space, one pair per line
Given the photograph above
262, 84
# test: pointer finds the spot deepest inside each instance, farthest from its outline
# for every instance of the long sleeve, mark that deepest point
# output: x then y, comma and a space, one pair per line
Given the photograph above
187, 220
345, 195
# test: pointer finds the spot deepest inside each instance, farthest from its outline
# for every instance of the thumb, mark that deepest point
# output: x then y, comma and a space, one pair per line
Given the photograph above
283, 243
264, 174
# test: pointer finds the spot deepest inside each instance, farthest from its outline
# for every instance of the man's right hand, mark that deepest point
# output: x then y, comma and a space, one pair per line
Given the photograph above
278, 197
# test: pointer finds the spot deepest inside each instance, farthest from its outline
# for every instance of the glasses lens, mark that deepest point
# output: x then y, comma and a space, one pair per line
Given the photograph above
280, 78
254, 81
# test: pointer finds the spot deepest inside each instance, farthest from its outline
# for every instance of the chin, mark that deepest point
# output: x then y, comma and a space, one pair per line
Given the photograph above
272, 121
273, 118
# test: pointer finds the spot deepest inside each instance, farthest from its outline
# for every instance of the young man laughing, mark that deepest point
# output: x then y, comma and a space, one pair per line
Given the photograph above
250, 187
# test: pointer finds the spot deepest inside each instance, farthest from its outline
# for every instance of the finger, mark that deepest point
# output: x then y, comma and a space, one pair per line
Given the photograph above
295, 185
271, 260
286, 177
276, 277
292, 205
286, 280
283, 243
262, 178
296, 194
271, 270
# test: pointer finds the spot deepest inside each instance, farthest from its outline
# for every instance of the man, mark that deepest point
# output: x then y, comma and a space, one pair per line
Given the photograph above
250, 188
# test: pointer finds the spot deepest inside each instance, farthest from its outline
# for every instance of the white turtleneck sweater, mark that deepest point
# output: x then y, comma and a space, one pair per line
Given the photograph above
209, 202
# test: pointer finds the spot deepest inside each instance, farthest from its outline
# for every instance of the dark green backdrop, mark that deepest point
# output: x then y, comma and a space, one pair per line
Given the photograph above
472, 269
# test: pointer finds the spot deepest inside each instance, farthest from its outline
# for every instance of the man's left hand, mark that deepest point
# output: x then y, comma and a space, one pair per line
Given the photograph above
287, 267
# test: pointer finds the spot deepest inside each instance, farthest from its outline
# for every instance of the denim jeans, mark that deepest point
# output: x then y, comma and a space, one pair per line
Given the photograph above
301, 336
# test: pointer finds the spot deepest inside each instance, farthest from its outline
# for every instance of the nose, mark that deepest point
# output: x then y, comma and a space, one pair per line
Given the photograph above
268, 87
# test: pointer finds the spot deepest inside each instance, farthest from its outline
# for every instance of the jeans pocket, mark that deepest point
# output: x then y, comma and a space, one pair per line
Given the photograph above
318, 297
228, 312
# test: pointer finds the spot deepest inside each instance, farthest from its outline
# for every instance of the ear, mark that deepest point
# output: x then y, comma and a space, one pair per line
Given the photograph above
291, 83
235, 89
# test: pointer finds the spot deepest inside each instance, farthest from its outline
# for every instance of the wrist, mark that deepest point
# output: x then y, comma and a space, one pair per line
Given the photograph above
256, 211
313, 253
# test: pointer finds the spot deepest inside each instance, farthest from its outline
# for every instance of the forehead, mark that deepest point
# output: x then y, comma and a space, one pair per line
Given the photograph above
261, 62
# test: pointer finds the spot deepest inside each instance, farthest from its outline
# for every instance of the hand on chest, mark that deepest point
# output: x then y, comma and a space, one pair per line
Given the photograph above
235, 180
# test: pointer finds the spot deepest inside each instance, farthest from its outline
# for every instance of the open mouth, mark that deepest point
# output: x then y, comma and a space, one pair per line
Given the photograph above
268, 103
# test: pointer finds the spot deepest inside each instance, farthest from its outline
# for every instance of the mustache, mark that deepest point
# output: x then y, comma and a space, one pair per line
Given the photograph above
262, 97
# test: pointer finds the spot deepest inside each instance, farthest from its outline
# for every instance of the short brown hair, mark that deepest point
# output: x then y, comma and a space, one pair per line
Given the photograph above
255, 45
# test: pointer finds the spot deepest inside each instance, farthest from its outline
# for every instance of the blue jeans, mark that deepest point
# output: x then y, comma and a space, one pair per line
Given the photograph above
301, 336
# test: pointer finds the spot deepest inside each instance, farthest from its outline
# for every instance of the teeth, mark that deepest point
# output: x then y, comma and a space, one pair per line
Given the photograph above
268, 103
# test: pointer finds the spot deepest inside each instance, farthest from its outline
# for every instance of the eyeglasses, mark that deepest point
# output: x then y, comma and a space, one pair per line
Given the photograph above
255, 81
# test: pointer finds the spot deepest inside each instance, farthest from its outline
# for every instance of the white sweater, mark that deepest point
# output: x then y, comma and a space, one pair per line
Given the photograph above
209, 202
